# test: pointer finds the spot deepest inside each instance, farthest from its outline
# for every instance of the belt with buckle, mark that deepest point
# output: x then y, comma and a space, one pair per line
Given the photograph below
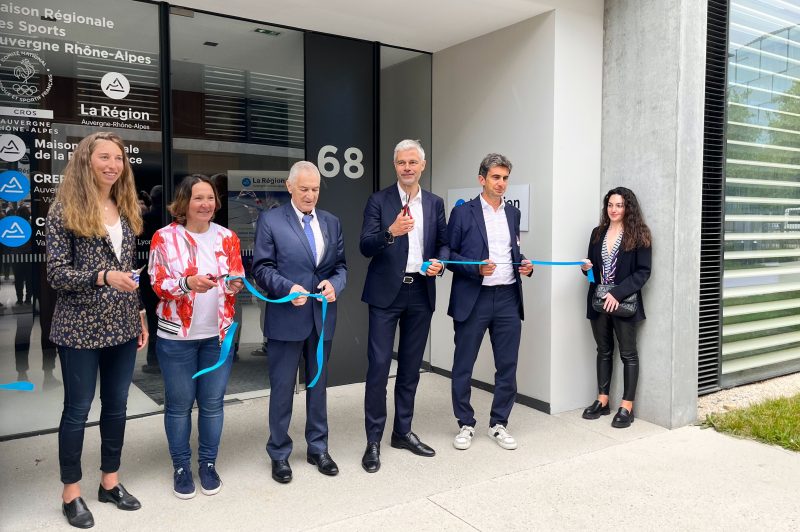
411, 277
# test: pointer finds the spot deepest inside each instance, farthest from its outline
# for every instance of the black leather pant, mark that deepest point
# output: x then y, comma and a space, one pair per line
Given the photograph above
604, 328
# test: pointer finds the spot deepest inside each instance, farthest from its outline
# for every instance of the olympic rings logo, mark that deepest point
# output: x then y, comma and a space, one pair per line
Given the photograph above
25, 90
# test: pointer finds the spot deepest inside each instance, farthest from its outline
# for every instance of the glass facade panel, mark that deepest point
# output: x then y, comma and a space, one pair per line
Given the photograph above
64, 73
238, 118
761, 280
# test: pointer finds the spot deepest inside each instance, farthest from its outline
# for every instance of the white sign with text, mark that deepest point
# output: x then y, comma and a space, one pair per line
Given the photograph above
516, 195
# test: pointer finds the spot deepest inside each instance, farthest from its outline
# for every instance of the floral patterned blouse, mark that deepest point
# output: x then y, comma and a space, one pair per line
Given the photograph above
88, 316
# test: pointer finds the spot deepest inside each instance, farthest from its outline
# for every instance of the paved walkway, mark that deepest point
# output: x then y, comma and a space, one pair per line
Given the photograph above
567, 474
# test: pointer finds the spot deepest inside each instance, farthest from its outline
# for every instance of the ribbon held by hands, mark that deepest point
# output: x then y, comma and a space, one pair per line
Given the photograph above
226, 345
589, 273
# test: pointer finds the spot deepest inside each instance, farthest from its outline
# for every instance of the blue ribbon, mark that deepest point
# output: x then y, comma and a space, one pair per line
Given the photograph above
226, 345
20, 386
223, 352
589, 273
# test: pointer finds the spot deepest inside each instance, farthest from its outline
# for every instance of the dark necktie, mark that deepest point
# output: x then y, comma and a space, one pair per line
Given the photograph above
310, 235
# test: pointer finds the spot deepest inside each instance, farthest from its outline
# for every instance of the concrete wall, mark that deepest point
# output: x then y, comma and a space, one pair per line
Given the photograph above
654, 67
532, 92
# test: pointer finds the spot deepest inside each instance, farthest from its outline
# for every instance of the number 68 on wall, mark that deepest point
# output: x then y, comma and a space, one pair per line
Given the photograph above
329, 165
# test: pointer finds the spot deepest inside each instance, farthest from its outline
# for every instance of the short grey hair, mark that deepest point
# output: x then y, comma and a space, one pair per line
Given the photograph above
492, 160
409, 144
301, 166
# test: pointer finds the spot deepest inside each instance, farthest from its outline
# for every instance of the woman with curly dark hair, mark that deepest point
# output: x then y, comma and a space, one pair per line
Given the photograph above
620, 257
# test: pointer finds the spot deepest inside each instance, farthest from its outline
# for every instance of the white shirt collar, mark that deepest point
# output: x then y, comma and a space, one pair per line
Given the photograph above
485, 205
402, 193
300, 213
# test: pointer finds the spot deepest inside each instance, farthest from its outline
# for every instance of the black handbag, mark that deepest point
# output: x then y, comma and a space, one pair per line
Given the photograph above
627, 307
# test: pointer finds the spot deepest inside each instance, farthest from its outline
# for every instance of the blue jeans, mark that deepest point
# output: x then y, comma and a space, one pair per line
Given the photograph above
179, 360
79, 368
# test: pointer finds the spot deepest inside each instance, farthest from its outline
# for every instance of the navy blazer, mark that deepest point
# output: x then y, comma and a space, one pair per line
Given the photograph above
633, 270
388, 264
466, 234
282, 258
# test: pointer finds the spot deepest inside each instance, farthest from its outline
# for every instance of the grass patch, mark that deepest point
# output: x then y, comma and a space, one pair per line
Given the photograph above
775, 421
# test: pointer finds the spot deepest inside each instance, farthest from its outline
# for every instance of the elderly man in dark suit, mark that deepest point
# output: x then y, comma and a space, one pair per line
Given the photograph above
403, 227
486, 297
299, 248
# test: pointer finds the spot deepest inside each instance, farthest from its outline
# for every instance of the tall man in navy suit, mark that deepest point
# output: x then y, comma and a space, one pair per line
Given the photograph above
299, 248
486, 297
403, 226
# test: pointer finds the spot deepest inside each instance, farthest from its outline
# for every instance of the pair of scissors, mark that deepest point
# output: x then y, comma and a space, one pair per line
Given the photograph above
406, 208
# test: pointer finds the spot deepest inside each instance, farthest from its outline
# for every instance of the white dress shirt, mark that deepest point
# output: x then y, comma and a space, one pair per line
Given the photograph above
499, 234
318, 240
415, 237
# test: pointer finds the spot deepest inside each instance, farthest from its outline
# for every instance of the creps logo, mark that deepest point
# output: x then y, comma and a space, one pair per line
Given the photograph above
14, 186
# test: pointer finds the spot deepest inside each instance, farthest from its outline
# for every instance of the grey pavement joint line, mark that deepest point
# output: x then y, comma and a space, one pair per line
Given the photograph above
451, 513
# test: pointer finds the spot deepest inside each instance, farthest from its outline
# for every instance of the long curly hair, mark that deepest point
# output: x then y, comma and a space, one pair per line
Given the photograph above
80, 197
636, 233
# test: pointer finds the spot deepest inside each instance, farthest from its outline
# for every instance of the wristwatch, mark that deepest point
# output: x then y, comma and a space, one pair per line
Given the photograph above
388, 236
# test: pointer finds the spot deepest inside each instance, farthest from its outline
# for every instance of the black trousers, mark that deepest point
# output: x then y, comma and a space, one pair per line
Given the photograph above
79, 367
412, 311
604, 328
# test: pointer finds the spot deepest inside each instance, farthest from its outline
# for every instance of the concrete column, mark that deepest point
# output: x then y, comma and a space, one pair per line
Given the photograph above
652, 143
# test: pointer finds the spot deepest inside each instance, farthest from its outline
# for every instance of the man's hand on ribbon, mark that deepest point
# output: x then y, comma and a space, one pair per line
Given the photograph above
435, 268
300, 301
327, 290
402, 225
487, 269
526, 268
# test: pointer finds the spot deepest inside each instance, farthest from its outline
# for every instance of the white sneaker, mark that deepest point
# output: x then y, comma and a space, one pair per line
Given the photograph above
505, 440
464, 437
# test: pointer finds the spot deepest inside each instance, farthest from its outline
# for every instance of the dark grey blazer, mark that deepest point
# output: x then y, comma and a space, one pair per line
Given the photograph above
88, 316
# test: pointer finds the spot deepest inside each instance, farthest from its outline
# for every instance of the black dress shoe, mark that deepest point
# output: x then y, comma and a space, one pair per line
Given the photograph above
371, 461
411, 442
596, 410
78, 514
281, 471
119, 496
622, 419
324, 463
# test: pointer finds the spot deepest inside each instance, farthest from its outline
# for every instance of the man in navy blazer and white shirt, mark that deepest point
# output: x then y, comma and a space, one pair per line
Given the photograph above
403, 227
299, 248
486, 297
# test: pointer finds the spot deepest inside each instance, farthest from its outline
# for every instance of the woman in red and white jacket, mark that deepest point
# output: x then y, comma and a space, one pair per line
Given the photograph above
189, 261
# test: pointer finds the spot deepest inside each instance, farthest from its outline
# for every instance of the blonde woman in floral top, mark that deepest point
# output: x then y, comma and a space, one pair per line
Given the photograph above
189, 261
97, 322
